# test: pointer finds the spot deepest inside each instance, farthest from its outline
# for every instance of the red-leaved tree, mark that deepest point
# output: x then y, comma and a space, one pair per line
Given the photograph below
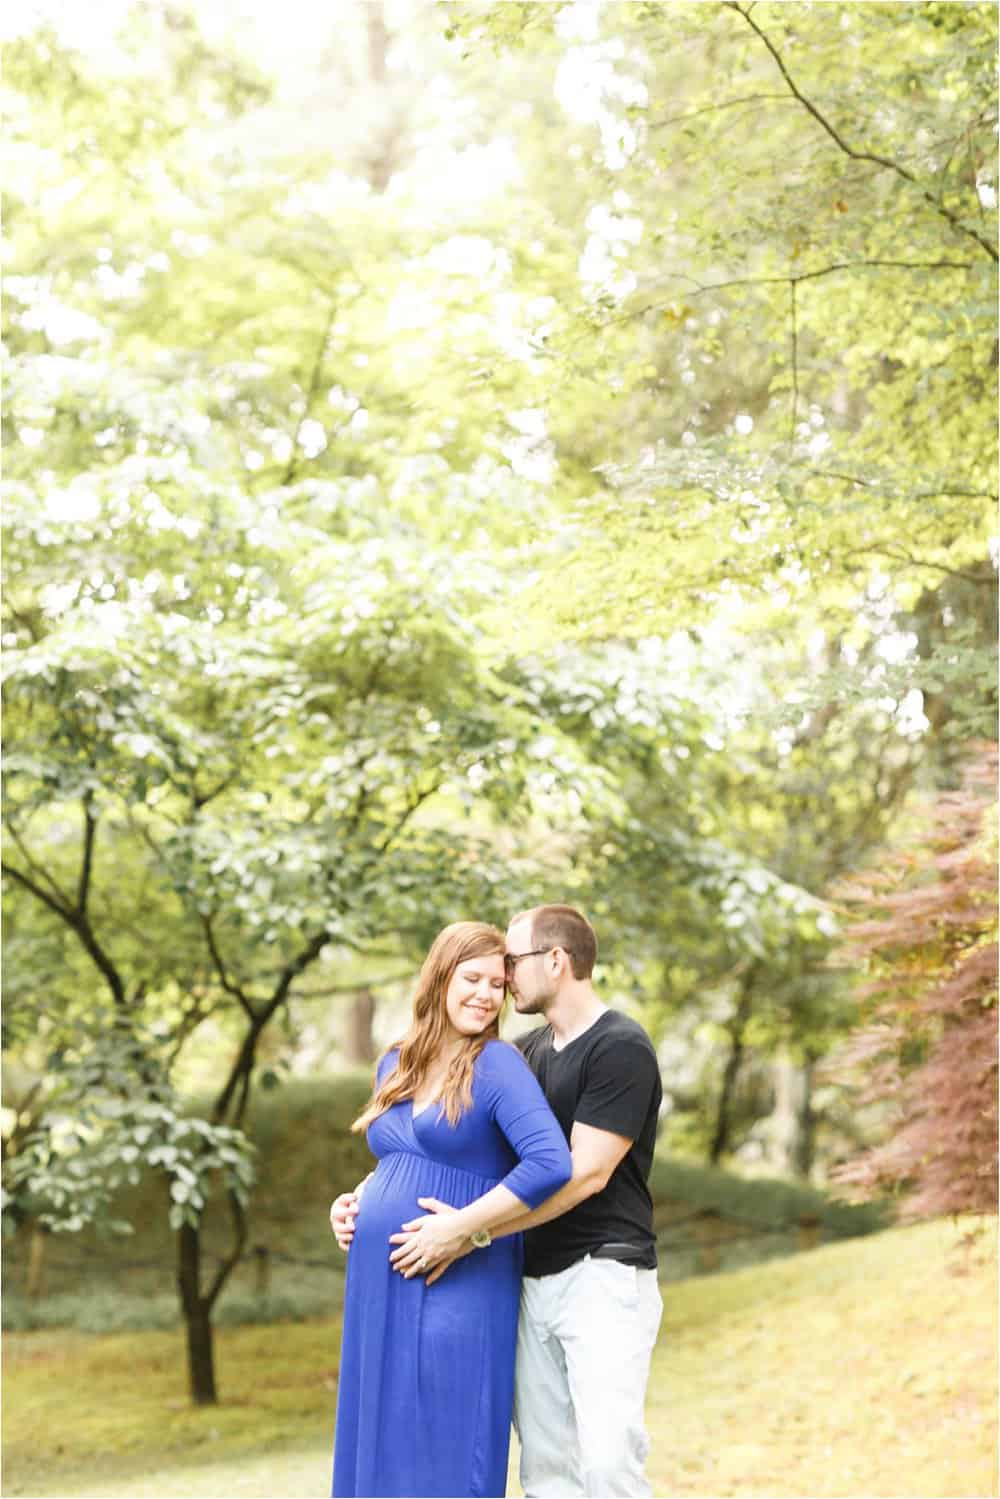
924, 929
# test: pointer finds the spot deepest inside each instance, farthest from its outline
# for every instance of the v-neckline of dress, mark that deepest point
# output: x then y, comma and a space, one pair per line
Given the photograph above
416, 1114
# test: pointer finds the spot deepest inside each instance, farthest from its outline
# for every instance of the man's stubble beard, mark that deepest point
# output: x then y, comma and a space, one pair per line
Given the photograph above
537, 1004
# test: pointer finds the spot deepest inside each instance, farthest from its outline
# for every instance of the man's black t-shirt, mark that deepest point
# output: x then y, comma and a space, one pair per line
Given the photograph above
608, 1078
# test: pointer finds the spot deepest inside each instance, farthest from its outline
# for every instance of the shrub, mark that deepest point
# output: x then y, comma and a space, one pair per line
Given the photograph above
924, 925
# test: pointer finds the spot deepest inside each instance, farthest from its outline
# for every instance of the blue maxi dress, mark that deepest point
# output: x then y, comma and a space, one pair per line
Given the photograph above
427, 1373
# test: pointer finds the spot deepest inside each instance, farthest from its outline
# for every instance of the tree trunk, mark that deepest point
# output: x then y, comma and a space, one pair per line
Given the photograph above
383, 155
720, 1139
197, 1318
36, 1260
737, 1027
359, 1043
262, 1270
793, 1121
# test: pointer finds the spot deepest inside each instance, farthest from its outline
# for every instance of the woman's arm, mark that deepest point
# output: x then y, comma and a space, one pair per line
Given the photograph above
519, 1109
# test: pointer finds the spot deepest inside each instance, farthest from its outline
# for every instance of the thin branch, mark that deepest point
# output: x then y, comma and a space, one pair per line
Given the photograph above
39, 892
708, 109
38, 871
202, 799
415, 802
923, 494
837, 138
232, 1259
332, 990
705, 288
835, 269
794, 316
981, 580
227, 983
314, 379
306, 956
78, 923
242, 1067
189, 1023
87, 861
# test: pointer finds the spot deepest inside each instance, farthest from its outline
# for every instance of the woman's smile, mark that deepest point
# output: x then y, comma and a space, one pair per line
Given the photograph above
475, 994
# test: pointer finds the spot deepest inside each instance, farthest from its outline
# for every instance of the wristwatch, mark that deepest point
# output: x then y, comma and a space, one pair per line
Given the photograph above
481, 1239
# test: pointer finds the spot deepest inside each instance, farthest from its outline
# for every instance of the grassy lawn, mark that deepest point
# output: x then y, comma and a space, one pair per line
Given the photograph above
864, 1368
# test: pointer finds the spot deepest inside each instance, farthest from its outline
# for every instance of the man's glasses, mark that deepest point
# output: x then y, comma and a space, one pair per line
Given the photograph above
512, 959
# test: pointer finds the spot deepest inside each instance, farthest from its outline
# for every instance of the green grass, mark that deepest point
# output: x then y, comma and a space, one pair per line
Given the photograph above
866, 1367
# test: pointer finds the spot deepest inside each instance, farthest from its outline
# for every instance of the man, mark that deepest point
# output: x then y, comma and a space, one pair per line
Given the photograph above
590, 1304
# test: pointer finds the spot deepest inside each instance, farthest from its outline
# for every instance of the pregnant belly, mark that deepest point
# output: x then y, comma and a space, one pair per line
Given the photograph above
390, 1198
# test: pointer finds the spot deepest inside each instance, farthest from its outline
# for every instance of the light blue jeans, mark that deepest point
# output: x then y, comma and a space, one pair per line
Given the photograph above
585, 1337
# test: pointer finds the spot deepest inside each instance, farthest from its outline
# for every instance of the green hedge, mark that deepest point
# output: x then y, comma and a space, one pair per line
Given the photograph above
306, 1154
763, 1202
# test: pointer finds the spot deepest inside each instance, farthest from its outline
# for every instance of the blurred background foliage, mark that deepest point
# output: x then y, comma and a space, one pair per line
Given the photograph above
465, 456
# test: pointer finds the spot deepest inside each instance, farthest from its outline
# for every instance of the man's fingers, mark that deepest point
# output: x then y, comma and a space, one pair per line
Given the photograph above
439, 1270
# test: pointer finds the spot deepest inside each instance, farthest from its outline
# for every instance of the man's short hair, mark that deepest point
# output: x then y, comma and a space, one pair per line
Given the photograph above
565, 927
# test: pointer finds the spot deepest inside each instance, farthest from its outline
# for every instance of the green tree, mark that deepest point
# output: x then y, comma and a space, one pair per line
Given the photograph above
238, 672
786, 376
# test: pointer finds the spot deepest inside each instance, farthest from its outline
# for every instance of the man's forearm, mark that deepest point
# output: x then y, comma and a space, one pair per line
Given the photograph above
577, 1189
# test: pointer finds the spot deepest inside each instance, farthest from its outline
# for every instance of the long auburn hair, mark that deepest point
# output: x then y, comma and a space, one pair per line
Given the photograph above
429, 1026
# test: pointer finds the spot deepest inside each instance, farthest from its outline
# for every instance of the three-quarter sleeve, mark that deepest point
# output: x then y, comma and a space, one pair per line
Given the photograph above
518, 1106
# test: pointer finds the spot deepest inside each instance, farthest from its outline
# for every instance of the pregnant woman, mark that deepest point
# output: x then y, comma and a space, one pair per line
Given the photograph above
427, 1373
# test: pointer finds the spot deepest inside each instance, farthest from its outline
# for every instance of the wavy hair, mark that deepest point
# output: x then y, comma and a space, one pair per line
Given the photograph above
429, 1026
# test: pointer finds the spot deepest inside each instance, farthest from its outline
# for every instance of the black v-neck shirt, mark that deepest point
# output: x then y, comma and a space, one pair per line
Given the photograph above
608, 1078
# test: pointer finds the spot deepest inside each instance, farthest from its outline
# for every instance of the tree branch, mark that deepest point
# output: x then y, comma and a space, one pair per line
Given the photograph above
332, 990
232, 1259
415, 801
837, 138
708, 109
236, 990
829, 270
794, 316
77, 922
39, 892
291, 467
705, 288
87, 862
202, 799
292, 969
58, 895
981, 580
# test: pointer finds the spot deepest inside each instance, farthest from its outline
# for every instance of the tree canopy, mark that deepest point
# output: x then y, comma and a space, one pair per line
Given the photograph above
521, 452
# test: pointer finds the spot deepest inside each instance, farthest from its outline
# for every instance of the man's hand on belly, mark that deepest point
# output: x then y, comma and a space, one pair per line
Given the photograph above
428, 1244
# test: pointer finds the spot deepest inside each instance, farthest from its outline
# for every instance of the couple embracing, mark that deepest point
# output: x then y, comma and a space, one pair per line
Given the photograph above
508, 1176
